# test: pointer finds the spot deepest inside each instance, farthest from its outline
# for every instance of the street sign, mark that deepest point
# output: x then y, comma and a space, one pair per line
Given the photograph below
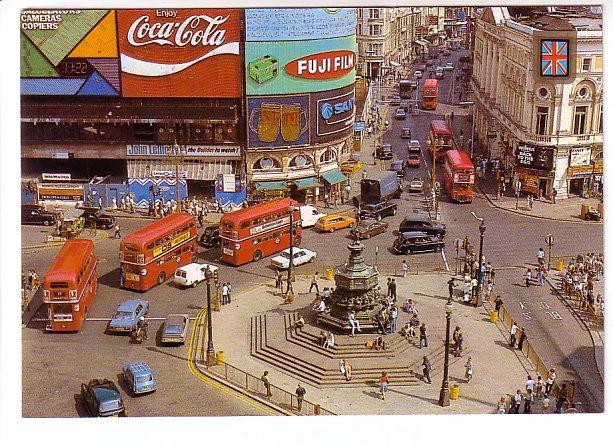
456, 243
549, 239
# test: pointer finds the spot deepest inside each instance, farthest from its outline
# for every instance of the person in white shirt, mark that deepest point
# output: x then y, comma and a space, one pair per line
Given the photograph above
513, 334
320, 307
355, 324
224, 294
530, 384
329, 342
405, 268
550, 380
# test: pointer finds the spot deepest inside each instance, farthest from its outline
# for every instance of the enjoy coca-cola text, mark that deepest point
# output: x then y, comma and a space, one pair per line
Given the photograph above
189, 32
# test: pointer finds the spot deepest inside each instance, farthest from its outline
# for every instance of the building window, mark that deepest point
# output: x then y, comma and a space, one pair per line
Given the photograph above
375, 13
586, 66
375, 30
579, 123
542, 119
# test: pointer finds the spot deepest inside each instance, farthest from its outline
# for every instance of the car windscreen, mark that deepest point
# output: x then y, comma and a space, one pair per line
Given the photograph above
123, 315
172, 329
144, 379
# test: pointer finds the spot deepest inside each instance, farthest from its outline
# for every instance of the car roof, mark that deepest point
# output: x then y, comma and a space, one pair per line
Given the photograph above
131, 304
411, 234
174, 318
417, 218
138, 368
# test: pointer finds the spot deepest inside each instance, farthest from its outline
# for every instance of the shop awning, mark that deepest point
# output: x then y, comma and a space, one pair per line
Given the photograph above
394, 64
270, 185
422, 42
307, 183
333, 177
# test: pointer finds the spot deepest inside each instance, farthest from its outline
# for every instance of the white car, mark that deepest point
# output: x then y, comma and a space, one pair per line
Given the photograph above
448, 67
192, 274
301, 256
309, 215
418, 74
414, 146
416, 185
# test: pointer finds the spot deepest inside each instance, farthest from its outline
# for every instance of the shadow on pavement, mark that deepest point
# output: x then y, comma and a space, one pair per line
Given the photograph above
157, 350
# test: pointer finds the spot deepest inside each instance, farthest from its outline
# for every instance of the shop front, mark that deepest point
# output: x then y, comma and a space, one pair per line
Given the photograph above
580, 180
534, 169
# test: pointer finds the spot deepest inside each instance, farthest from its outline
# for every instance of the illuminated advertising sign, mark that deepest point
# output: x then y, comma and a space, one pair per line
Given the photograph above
161, 150
265, 25
180, 52
333, 114
278, 121
299, 67
534, 157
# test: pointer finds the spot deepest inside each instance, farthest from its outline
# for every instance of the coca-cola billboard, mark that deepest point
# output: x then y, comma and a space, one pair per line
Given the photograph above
180, 52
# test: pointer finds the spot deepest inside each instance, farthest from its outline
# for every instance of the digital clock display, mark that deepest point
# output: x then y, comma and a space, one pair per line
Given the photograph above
75, 67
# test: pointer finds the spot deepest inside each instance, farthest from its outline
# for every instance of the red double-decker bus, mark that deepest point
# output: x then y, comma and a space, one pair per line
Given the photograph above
441, 138
153, 253
459, 176
429, 94
258, 231
70, 285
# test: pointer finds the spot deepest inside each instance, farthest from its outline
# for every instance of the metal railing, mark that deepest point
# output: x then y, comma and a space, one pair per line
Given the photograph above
256, 386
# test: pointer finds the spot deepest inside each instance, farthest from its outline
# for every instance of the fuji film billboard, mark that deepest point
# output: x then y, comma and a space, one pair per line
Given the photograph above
180, 52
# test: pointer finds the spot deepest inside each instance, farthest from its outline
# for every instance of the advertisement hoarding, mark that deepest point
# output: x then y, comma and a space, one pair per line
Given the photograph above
278, 121
580, 156
180, 52
299, 67
540, 158
333, 114
196, 151
262, 25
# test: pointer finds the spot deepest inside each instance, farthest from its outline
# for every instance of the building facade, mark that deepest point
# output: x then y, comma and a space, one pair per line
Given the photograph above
537, 78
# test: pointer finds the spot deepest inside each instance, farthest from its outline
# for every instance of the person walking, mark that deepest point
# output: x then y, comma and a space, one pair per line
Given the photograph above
513, 333
427, 368
540, 257
278, 281
117, 231
300, 392
502, 406
562, 398
392, 290
229, 285
393, 319
355, 324
539, 386
224, 294
517, 401
266, 380
540, 280
405, 268
550, 380
528, 277
469, 369
498, 304
522, 337
100, 203
529, 384
423, 337
389, 288
554, 194
528, 401
451, 285
384, 382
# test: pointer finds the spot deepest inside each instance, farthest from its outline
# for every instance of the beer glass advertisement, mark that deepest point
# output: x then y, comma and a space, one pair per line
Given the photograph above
333, 114
299, 67
180, 52
299, 24
69, 52
278, 121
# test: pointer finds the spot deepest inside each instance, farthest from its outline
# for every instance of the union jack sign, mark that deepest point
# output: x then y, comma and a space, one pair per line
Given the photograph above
554, 58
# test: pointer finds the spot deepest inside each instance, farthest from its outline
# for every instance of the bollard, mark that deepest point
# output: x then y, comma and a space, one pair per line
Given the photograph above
220, 357
493, 316
560, 265
329, 274
317, 409
454, 393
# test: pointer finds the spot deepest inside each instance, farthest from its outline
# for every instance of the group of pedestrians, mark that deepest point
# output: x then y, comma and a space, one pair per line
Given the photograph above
579, 278
541, 390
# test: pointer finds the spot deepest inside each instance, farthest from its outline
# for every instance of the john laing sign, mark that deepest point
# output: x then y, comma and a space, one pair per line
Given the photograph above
162, 150
540, 158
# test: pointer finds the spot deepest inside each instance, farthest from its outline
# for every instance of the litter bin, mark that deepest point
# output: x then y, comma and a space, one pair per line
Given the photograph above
220, 357
329, 274
454, 393
560, 265
493, 316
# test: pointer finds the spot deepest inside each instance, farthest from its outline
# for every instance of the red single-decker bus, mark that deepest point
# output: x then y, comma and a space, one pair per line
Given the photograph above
459, 176
441, 138
70, 285
258, 231
429, 95
153, 253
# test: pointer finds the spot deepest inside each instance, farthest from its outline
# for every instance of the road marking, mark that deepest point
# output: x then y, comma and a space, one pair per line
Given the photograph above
445, 259
527, 316
522, 305
554, 315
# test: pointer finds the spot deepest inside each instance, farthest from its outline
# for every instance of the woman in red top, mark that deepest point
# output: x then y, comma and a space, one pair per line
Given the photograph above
383, 382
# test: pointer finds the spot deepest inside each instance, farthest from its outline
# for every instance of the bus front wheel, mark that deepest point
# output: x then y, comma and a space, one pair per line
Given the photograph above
257, 256
162, 278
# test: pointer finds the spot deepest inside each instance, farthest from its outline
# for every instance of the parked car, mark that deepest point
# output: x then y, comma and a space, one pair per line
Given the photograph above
422, 222
34, 214
439, 73
378, 211
309, 215
192, 274
416, 185
331, 223
384, 152
448, 67
414, 146
412, 242
139, 378
369, 227
413, 161
401, 113
174, 329
395, 100
102, 398
300, 257
418, 74
127, 315
210, 238
95, 218
398, 167
351, 166
406, 132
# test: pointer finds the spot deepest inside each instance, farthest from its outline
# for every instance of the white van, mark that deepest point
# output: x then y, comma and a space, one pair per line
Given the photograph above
309, 215
192, 274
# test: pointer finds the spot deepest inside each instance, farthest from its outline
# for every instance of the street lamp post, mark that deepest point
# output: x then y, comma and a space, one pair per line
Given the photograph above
210, 350
479, 299
174, 154
549, 241
444, 395
289, 294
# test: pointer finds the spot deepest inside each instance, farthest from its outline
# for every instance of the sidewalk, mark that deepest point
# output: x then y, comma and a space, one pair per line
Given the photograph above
568, 209
498, 370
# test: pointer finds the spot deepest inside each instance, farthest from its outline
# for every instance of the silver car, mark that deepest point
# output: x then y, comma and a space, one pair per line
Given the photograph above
174, 330
416, 185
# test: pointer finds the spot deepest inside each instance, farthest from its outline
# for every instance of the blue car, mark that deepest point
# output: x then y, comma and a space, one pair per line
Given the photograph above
127, 315
139, 378
102, 398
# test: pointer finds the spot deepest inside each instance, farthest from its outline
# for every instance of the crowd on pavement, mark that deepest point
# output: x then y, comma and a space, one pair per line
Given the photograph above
579, 277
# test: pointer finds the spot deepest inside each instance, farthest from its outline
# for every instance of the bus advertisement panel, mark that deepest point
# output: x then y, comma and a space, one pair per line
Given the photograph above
259, 231
441, 138
152, 254
459, 176
70, 285
429, 95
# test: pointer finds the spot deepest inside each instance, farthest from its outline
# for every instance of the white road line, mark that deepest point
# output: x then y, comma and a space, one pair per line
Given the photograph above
445, 259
